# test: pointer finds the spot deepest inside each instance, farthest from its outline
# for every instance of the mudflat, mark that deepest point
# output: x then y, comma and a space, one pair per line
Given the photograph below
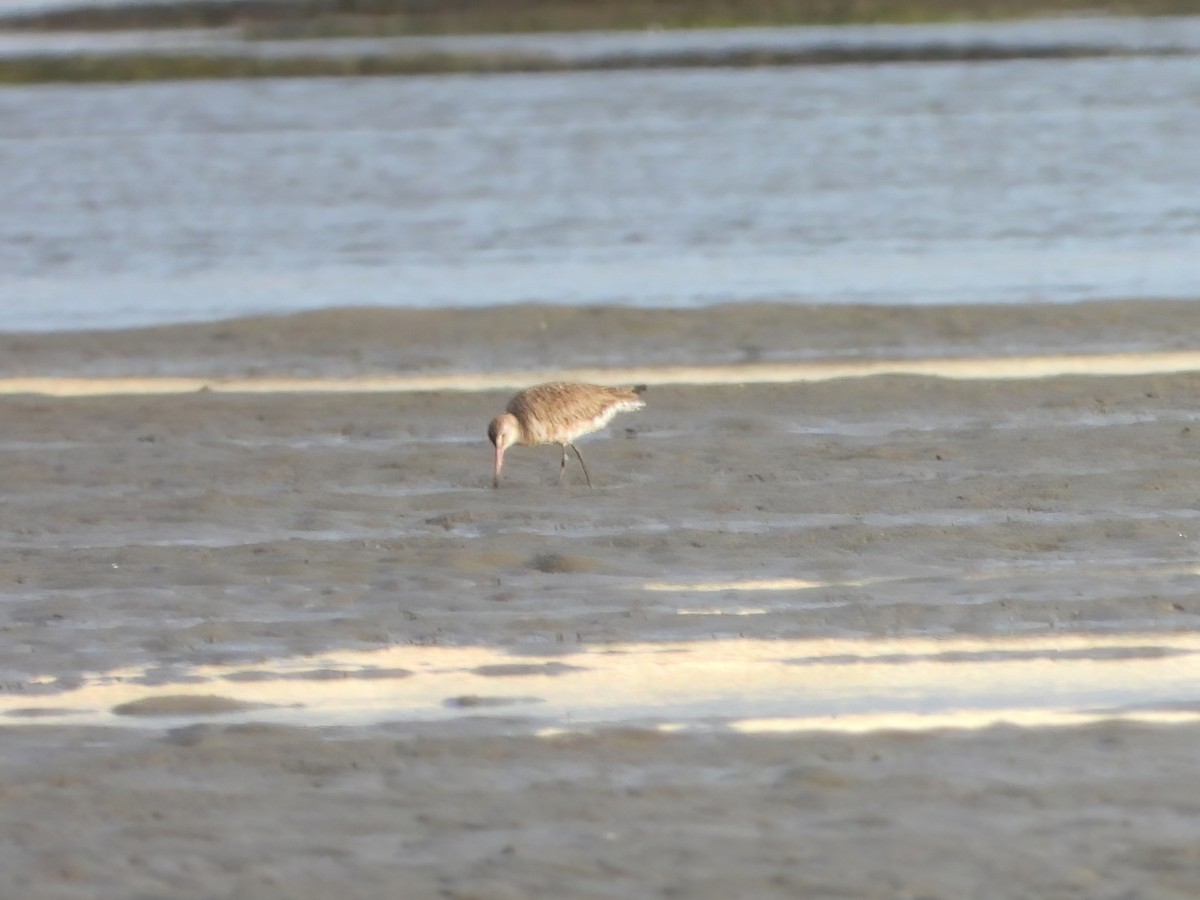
215, 528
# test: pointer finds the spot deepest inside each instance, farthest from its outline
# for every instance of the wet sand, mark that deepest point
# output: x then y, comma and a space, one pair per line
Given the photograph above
148, 535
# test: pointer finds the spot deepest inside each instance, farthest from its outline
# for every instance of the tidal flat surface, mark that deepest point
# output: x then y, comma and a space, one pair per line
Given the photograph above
281, 644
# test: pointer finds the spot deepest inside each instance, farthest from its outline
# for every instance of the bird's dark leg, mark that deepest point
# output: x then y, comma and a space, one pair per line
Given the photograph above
581, 463
562, 468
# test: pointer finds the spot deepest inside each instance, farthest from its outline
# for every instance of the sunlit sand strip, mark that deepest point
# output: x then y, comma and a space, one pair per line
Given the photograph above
754, 584
1013, 367
828, 684
961, 719
964, 719
746, 584
722, 611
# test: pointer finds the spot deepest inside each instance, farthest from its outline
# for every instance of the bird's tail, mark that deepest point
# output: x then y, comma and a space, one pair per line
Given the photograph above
638, 389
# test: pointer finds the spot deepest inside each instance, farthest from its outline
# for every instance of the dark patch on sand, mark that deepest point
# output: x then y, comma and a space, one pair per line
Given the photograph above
475, 701
183, 705
522, 670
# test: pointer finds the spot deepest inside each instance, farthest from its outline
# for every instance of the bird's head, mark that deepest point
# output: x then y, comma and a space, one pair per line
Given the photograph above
503, 432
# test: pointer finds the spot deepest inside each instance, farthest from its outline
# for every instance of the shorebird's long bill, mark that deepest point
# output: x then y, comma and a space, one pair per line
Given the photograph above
499, 463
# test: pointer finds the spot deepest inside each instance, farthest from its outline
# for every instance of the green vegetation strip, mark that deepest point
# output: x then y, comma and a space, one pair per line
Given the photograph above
133, 67
331, 18
128, 68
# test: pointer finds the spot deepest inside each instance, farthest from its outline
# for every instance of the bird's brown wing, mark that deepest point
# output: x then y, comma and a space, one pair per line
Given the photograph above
560, 411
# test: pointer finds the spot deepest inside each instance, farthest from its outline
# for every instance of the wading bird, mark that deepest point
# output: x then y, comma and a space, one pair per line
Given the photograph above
557, 413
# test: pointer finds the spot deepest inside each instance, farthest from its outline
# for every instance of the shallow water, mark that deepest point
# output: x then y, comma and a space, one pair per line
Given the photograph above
1023, 181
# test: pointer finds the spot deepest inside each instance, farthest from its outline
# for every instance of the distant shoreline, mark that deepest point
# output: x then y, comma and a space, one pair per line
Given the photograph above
216, 39
282, 19
178, 66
